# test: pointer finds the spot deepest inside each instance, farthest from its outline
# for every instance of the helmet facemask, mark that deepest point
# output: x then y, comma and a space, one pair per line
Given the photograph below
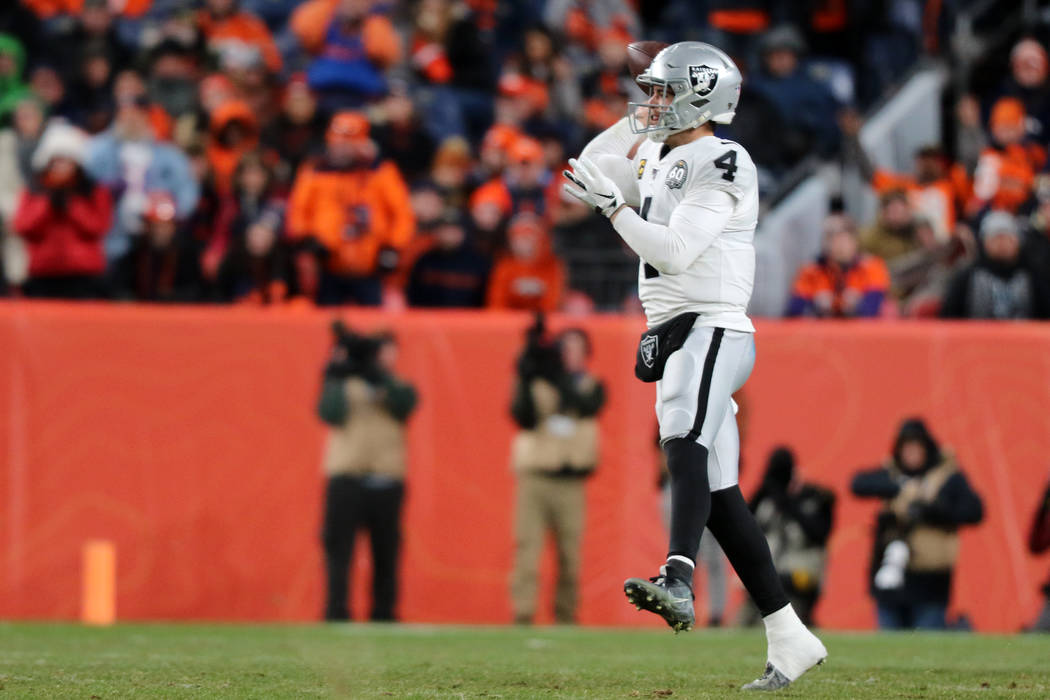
658, 120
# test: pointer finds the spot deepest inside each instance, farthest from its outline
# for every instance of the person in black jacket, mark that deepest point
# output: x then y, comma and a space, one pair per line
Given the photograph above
451, 274
1000, 285
1039, 542
796, 518
926, 499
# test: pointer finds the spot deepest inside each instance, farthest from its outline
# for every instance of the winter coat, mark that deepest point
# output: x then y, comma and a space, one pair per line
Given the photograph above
991, 290
354, 213
925, 509
63, 232
867, 276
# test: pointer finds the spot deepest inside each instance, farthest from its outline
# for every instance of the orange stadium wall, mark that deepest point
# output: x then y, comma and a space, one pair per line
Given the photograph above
187, 436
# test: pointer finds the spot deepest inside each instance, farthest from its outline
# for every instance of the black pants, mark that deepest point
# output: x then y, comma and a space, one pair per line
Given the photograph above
65, 287
351, 504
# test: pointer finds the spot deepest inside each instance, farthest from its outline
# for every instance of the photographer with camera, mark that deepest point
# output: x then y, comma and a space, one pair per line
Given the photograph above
556, 403
366, 404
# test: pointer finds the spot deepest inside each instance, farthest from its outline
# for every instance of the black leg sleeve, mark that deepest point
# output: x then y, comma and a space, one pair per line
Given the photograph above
690, 495
742, 540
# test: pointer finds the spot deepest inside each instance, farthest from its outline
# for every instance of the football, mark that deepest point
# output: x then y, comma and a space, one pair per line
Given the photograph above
640, 54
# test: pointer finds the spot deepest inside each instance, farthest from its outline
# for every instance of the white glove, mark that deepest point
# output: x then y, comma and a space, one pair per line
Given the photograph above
592, 187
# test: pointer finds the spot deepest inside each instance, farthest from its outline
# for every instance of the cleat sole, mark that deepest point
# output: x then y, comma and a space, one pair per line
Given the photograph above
639, 595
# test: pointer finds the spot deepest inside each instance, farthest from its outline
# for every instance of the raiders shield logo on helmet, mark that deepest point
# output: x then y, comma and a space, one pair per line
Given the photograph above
676, 175
648, 348
704, 78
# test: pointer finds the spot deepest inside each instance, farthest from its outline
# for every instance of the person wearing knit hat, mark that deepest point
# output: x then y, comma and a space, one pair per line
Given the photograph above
62, 218
1001, 284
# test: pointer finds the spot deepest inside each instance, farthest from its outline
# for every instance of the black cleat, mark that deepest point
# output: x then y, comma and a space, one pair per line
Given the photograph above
668, 597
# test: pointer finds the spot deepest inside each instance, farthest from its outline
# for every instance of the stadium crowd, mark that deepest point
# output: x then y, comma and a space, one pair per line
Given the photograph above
963, 235
375, 152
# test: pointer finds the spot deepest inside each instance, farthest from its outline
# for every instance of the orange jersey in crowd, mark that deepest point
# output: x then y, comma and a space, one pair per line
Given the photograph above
868, 277
1004, 176
244, 27
353, 213
936, 200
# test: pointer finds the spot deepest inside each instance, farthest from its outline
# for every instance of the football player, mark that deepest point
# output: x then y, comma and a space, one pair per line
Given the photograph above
686, 202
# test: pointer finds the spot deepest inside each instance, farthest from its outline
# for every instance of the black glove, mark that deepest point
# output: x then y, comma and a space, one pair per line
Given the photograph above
59, 199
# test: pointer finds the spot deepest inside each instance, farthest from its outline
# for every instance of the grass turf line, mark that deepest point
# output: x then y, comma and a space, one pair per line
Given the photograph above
410, 661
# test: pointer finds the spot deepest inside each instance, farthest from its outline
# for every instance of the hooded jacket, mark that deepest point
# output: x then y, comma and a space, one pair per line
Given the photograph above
924, 508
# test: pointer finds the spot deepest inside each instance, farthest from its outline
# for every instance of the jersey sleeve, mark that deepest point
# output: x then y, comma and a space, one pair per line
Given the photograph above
727, 167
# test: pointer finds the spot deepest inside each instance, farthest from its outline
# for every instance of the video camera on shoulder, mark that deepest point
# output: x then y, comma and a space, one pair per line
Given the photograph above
542, 356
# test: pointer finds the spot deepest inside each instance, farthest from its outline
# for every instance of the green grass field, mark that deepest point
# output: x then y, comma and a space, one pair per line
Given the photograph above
364, 661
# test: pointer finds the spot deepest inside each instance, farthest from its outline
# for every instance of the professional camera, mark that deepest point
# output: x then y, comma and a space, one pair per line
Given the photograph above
542, 356
352, 353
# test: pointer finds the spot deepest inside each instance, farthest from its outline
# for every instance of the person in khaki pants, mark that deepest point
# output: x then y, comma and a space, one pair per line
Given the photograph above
556, 402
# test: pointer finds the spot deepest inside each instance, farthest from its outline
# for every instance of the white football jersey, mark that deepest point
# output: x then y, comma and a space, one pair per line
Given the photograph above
718, 284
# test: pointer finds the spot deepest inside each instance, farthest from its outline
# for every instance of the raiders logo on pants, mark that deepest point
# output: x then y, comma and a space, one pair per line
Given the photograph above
694, 398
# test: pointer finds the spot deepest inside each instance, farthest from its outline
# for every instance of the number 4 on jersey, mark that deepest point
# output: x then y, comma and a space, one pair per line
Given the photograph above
727, 163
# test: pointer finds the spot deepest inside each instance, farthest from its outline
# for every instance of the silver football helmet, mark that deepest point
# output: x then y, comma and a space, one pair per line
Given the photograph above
702, 82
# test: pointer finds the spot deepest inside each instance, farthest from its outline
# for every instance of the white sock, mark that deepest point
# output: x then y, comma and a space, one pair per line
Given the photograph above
685, 560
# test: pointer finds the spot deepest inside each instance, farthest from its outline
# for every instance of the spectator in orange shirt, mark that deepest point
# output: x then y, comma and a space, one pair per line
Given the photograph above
222, 22
353, 212
1006, 169
530, 276
842, 282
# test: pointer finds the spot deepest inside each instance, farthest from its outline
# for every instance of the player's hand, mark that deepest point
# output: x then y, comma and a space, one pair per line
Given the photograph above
592, 187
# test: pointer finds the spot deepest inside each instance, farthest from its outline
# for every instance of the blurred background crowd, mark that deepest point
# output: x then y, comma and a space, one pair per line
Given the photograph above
409, 153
